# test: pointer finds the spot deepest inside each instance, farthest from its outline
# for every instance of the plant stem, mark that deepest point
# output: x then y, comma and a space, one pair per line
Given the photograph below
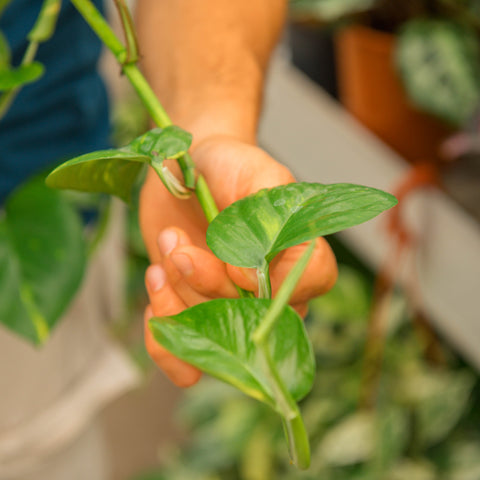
206, 200
146, 94
297, 438
103, 30
101, 27
7, 98
128, 31
300, 447
264, 285
294, 428
262, 332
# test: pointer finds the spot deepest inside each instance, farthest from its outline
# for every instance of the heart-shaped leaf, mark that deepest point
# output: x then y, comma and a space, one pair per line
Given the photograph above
107, 171
253, 230
115, 171
216, 337
16, 77
42, 260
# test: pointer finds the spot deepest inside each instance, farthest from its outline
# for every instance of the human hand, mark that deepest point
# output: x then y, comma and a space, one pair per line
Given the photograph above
184, 272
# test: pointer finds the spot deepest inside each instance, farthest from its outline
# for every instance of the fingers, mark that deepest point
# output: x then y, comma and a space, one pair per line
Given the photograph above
318, 278
195, 274
163, 302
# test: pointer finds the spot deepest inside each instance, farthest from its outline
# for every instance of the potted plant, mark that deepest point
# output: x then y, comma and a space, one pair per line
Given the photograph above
402, 63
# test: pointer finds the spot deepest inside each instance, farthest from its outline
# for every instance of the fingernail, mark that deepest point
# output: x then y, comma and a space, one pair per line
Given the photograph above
183, 263
155, 277
167, 241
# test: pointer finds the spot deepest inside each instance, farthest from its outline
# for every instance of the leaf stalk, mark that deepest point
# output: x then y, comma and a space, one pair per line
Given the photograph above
295, 431
158, 114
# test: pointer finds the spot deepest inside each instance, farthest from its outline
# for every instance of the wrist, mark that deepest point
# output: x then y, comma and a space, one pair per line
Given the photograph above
225, 121
226, 105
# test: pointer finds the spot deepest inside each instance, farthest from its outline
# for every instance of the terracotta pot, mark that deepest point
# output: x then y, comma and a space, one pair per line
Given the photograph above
372, 91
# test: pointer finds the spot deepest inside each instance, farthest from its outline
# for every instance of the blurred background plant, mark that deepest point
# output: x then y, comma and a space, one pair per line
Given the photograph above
423, 424
437, 49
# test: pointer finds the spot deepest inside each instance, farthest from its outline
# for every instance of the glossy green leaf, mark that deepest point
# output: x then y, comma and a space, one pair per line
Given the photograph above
42, 260
170, 142
438, 62
256, 228
108, 171
216, 337
16, 77
116, 171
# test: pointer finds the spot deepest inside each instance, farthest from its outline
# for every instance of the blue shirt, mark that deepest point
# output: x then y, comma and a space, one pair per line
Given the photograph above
63, 114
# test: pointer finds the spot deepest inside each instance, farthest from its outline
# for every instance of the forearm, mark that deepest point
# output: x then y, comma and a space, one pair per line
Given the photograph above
206, 60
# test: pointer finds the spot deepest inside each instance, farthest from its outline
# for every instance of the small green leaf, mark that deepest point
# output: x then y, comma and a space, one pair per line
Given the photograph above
216, 337
16, 77
170, 142
439, 64
115, 171
46, 21
42, 260
108, 171
253, 230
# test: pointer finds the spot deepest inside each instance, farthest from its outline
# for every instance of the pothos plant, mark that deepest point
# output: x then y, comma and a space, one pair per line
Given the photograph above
259, 345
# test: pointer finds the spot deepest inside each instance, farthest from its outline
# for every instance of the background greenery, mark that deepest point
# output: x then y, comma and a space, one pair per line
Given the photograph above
422, 426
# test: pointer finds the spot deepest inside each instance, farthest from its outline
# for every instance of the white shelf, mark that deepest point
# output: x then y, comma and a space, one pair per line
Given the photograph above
306, 130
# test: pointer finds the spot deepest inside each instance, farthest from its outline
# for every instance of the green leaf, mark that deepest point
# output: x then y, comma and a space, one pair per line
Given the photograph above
215, 337
16, 77
116, 171
46, 21
108, 171
170, 142
350, 441
439, 64
42, 260
253, 230
437, 398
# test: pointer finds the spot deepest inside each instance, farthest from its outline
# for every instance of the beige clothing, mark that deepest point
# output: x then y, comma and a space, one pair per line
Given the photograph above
49, 396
